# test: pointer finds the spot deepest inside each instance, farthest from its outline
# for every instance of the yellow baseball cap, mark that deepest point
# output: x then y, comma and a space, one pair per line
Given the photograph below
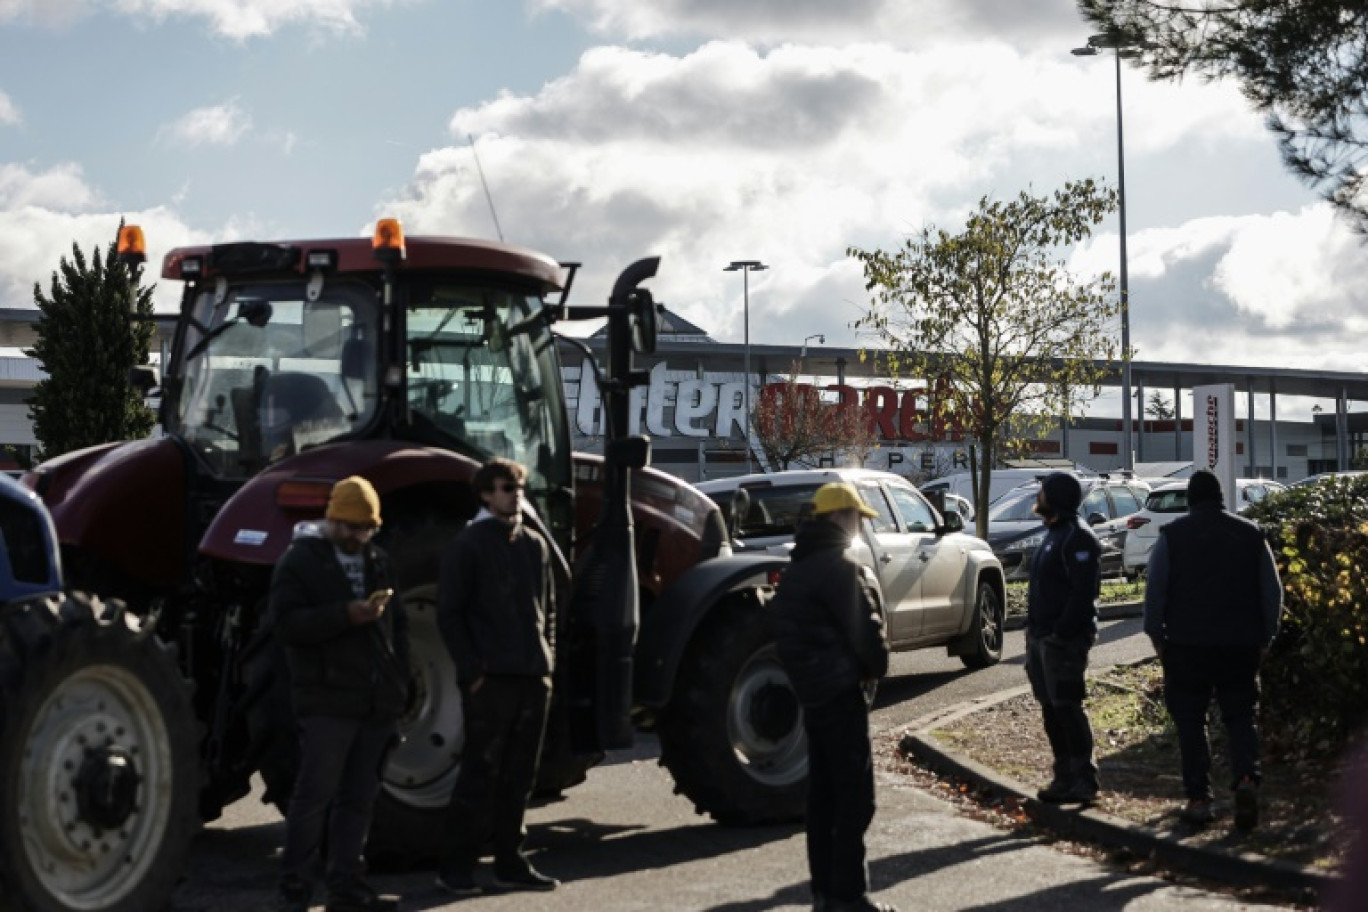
839, 495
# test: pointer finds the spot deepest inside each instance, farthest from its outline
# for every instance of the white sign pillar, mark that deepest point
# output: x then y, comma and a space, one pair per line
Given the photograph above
1213, 435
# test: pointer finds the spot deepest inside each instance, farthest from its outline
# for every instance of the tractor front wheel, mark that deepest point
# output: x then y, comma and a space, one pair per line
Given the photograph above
99, 769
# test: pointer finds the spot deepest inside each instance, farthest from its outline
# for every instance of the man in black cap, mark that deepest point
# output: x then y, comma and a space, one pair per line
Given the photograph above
1061, 627
1212, 606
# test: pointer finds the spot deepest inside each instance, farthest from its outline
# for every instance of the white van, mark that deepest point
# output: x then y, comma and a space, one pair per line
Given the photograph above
1003, 480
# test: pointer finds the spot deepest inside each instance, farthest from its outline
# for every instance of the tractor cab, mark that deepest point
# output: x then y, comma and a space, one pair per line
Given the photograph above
284, 348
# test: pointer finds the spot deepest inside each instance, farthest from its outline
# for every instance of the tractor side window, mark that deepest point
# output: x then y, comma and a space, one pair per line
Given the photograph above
482, 377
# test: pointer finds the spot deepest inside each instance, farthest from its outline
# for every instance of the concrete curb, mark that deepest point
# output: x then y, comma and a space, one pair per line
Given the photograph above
1110, 612
1213, 863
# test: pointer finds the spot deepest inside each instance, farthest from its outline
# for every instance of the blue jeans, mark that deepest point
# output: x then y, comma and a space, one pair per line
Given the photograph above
339, 776
1056, 669
840, 802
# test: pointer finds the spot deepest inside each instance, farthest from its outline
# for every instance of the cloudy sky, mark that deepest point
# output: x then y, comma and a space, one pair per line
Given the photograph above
699, 130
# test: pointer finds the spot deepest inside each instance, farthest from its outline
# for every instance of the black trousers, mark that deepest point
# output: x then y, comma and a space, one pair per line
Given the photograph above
1192, 675
840, 801
339, 776
505, 721
1056, 670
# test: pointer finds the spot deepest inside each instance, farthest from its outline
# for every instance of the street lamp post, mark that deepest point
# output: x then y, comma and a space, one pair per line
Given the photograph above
746, 267
821, 340
1124, 47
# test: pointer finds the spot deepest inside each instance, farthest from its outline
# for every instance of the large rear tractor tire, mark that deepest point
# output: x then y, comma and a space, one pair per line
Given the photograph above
732, 735
99, 767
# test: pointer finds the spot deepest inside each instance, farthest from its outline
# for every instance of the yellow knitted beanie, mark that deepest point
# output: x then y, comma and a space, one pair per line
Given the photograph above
354, 501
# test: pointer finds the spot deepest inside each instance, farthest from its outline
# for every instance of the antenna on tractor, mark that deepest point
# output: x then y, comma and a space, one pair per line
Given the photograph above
488, 197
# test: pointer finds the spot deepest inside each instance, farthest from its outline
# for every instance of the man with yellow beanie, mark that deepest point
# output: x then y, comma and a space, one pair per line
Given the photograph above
346, 642
829, 631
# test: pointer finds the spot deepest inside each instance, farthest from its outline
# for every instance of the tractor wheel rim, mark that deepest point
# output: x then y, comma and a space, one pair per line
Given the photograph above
93, 852
422, 770
775, 755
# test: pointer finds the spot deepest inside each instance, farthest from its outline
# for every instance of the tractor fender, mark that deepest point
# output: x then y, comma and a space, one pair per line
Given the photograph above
673, 619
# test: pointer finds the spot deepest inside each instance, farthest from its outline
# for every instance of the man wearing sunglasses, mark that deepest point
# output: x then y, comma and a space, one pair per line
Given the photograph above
494, 609
346, 642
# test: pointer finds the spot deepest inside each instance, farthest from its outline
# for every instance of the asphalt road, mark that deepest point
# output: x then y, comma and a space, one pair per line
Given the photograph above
922, 682
623, 841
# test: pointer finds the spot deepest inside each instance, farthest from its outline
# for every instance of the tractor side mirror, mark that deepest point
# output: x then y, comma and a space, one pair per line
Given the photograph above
143, 378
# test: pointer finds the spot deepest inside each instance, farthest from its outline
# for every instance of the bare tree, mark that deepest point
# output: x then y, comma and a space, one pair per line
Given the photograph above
796, 428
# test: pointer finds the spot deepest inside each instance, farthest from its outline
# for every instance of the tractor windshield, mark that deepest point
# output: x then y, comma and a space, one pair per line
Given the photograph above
483, 375
267, 372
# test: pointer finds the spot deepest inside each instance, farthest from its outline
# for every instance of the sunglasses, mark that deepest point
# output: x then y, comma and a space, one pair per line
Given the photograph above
507, 488
360, 528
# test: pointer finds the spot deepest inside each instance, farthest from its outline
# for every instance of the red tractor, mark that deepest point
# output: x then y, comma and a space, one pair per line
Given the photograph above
295, 364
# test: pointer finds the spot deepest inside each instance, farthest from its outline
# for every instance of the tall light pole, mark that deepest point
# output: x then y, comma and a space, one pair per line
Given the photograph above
1124, 47
746, 267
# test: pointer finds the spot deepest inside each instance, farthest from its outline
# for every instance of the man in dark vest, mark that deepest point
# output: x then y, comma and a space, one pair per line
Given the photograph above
1212, 606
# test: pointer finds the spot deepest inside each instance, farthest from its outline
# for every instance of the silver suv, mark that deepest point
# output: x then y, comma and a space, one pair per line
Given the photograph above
941, 586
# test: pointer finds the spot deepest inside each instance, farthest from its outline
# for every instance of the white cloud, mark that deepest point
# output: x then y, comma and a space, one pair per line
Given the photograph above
777, 21
9, 113
1285, 289
235, 19
62, 188
216, 125
43, 213
790, 156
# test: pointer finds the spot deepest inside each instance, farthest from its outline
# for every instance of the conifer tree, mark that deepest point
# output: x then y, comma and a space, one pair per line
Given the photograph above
94, 325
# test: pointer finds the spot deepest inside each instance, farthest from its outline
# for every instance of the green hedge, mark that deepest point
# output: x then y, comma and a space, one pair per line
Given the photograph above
1316, 675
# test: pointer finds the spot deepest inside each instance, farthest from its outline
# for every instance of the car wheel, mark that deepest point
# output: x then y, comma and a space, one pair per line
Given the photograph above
987, 629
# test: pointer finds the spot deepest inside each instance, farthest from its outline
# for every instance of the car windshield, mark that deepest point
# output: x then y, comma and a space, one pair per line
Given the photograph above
268, 372
483, 377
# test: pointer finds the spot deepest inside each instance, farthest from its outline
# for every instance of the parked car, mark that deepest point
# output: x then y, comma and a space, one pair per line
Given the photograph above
1168, 501
941, 586
1015, 531
1001, 481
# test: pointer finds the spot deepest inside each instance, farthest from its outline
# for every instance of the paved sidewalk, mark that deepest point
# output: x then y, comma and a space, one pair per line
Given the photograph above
1212, 863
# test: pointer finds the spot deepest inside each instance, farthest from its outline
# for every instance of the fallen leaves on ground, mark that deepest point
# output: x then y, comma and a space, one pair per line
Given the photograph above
1138, 757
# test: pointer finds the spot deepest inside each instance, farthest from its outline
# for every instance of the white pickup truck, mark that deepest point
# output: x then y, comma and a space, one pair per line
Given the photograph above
941, 586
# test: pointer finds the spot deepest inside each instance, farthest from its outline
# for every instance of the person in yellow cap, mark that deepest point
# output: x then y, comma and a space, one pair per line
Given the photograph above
829, 630
346, 642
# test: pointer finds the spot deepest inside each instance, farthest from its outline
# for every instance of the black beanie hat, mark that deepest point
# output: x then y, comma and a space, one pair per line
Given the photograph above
1204, 487
1062, 492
